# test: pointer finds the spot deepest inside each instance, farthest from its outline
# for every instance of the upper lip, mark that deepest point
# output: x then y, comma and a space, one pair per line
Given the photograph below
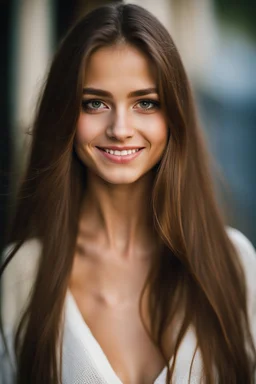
115, 148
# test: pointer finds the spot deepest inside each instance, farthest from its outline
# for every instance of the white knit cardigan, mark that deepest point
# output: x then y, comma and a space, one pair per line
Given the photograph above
83, 360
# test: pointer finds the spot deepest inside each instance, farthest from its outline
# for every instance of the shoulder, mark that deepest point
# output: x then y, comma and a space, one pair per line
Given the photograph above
246, 253
247, 256
18, 278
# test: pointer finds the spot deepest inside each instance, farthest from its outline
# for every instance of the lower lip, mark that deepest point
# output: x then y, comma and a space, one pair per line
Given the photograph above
120, 159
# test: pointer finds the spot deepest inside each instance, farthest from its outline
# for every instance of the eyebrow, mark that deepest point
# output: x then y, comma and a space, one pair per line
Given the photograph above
101, 92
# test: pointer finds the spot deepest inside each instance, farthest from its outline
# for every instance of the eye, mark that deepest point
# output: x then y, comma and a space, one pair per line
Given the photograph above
93, 105
148, 105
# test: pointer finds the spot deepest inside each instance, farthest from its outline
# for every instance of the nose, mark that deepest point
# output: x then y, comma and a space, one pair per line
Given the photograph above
120, 127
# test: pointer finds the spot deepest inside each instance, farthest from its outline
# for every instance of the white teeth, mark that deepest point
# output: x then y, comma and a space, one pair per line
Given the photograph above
121, 153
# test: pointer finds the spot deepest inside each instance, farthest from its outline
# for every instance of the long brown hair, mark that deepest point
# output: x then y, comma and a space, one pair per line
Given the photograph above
199, 266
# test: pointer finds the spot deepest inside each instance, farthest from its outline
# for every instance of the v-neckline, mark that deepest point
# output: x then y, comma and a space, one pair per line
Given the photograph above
96, 352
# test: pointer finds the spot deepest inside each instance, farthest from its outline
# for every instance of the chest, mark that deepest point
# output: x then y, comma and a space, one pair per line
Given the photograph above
108, 298
84, 361
124, 341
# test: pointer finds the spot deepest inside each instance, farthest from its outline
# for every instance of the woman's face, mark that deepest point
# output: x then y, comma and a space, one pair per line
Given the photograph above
121, 130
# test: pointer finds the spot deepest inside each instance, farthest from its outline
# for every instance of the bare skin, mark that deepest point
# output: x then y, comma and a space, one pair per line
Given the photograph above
111, 264
116, 243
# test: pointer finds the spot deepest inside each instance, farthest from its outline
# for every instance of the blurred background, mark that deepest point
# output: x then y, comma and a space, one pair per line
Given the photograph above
217, 42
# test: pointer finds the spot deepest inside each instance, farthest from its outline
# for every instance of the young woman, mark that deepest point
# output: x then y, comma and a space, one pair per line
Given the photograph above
132, 276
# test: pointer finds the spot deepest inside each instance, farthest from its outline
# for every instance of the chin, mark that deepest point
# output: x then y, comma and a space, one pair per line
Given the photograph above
125, 178
120, 179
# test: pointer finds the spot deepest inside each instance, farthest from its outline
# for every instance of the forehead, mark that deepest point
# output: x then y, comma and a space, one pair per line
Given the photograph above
123, 65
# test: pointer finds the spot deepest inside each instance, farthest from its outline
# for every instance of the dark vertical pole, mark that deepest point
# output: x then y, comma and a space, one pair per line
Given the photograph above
64, 15
5, 129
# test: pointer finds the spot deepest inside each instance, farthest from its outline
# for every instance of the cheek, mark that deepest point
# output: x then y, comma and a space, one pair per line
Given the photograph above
158, 134
84, 136
81, 131
88, 128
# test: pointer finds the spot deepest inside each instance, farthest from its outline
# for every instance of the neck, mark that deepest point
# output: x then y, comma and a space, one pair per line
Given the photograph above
120, 215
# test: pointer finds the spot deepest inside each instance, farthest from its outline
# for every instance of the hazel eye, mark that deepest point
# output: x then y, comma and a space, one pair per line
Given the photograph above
148, 104
92, 105
95, 104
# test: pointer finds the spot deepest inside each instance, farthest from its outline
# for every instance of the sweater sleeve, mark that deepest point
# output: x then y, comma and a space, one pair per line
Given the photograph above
16, 284
7, 368
247, 255
18, 279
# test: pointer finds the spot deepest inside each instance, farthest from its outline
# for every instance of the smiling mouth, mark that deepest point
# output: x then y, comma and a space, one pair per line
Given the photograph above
123, 152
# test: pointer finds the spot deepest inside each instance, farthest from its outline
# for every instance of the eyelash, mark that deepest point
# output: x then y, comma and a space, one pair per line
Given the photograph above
86, 108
